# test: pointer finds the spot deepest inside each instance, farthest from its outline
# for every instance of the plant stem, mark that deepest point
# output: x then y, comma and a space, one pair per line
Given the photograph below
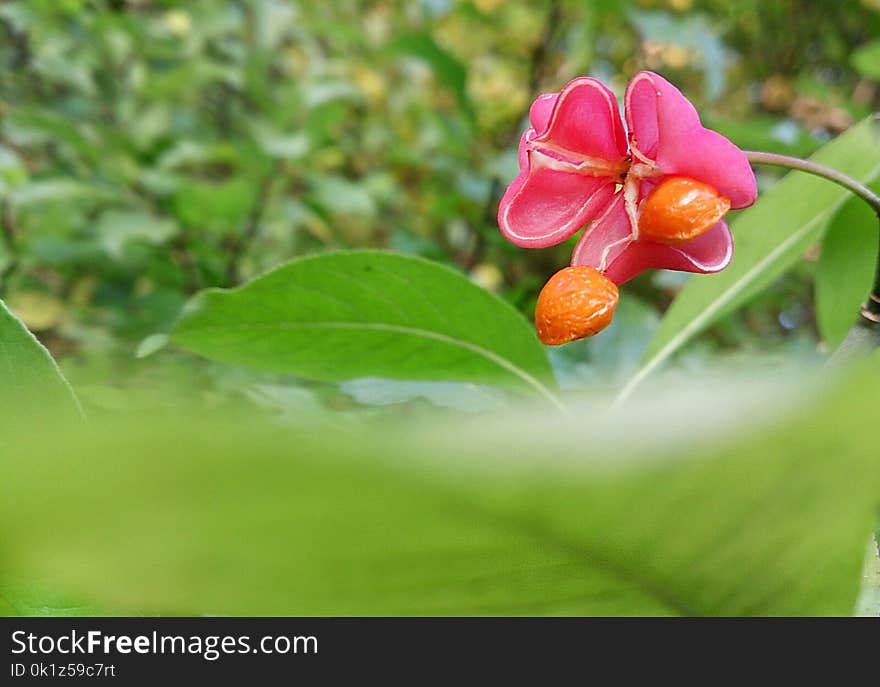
818, 170
871, 309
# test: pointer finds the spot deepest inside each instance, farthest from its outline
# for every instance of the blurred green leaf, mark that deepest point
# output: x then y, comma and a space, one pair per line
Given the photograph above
38, 191
846, 269
279, 144
29, 377
337, 194
273, 18
12, 170
770, 237
41, 124
118, 228
866, 60
458, 395
150, 345
7, 610
216, 206
526, 513
26, 600
363, 313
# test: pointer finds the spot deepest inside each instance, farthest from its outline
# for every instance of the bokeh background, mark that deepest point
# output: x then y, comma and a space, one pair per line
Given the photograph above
149, 149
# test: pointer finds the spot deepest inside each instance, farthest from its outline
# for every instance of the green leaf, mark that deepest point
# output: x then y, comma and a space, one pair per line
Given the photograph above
356, 314
117, 229
29, 377
770, 237
765, 510
150, 345
25, 600
341, 196
7, 610
866, 60
38, 192
215, 206
846, 269
458, 395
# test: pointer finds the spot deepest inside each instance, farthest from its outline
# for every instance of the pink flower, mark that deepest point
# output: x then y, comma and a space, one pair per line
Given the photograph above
578, 166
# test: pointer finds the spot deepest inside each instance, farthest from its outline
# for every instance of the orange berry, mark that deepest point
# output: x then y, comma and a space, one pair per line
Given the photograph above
577, 302
680, 209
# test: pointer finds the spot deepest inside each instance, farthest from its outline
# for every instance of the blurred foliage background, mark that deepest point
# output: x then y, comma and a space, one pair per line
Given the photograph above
149, 149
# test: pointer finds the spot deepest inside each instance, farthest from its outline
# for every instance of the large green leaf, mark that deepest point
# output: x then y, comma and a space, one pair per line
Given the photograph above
29, 377
749, 503
770, 237
25, 600
846, 269
366, 313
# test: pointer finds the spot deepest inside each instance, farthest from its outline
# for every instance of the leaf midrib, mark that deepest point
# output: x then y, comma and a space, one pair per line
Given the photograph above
492, 357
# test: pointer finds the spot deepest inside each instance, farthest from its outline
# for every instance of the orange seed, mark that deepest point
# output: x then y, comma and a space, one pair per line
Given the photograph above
576, 302
680, 209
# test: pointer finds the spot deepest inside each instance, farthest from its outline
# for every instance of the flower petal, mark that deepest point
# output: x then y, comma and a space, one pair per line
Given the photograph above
570, 161
708, 253
605, 239
540, 111
544, 206
665, 127
523, 150
584, 120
